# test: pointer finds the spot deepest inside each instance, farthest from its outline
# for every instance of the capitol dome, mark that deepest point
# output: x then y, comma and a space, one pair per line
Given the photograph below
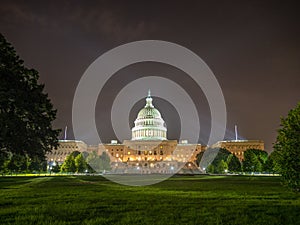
149, 124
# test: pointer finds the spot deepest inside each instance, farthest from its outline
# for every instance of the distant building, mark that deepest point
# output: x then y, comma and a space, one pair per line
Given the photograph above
65, 148
149, 150
238, 147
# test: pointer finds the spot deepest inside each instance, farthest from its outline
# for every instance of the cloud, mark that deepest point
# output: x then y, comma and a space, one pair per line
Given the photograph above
13, 12
111, 22
98, 19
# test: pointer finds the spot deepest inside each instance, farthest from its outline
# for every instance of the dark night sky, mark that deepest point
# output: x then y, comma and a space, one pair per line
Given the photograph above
252, 47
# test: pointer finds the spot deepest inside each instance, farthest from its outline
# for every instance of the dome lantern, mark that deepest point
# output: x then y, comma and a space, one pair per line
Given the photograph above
149, 100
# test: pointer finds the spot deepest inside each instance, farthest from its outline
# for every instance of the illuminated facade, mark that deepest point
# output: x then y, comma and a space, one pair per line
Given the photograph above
65, 148
149, 150
238, 147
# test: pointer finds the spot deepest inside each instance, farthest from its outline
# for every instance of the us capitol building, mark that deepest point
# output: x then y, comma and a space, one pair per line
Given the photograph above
149, 150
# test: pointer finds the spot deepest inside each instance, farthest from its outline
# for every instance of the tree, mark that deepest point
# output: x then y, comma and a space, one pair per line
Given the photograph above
287, 149
222, 167
69, 164
234, 164
204, 159
254, 160
99, 163
56, 167
105, 161
26, 112
218, 159
4, 157
17, 163
37, 165
80, 163
210, 169
270, 165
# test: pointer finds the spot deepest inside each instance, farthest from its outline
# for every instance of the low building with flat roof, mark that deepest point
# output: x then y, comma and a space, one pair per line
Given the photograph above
238, 147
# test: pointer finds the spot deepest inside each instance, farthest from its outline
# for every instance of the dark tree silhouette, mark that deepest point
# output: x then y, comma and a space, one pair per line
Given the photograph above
26, 112
234, 164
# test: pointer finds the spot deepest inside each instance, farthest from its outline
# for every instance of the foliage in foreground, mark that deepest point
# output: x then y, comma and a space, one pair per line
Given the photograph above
286, 155
26, 112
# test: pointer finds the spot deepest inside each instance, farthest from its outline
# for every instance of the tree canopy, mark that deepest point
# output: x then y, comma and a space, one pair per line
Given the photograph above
254, 160
234, 164
26, 112
73, 163
99, 163
223, 161
286, 155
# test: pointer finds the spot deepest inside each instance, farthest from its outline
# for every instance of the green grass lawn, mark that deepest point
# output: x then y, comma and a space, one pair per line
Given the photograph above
179, 200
